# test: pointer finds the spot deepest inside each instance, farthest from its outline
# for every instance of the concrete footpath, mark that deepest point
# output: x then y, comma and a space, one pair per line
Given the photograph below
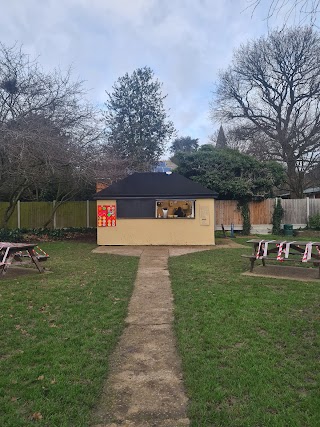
145, 387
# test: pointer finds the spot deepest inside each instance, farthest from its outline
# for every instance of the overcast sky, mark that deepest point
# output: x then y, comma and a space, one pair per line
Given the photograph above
185, 42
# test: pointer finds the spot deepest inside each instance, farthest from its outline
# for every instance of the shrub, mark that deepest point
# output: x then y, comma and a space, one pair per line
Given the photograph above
314, 221
277, 216
14, 235
23, 234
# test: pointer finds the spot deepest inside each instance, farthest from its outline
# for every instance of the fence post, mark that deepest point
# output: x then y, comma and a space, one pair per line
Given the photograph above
88, 214
308, 209
54, 216
19, 214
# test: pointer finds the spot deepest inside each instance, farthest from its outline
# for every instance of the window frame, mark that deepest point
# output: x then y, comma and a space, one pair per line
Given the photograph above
176, 201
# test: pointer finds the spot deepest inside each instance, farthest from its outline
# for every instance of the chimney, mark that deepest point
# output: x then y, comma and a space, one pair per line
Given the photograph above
100, 185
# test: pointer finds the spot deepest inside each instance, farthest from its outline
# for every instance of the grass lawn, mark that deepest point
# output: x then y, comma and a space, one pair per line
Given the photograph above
57, 331
249, 346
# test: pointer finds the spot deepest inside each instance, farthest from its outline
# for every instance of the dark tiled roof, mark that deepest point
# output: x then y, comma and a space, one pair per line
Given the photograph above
156, 185
312, 190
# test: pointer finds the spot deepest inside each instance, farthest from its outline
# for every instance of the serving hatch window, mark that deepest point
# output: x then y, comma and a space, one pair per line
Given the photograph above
173, 209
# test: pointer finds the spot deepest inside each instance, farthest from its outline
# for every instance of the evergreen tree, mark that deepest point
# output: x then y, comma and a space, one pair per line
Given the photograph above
137, 127
186, 144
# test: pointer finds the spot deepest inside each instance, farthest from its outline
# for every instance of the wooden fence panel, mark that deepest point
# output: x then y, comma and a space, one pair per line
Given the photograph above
93, 214
261, 212
72, 214
314, 206
13, 221
295, 211
226, 212
34, 214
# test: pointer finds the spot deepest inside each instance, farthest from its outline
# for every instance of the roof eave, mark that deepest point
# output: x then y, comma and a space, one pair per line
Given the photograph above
156, 196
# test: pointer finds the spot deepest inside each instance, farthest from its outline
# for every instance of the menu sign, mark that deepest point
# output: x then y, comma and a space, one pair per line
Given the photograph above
107, 216
204, 215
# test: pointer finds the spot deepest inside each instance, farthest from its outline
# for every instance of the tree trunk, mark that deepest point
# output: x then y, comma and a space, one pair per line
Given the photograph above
8, 213
54, 210
11, 208
295, 180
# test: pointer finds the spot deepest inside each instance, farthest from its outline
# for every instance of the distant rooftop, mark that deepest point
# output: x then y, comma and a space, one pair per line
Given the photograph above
312, 190
164, 166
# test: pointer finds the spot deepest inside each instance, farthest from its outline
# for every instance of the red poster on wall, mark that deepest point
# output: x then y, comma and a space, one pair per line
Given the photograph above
107, 216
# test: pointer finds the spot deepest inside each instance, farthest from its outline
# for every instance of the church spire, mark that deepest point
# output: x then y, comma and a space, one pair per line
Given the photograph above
221, 140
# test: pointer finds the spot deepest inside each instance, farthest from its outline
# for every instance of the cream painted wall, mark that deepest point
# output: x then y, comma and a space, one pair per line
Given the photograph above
178, 231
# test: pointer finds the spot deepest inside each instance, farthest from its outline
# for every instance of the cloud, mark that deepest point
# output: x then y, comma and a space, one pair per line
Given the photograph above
185, 42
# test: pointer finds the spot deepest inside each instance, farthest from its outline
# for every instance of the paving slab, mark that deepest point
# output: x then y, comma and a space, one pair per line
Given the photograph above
166, 250
145, 385
119, 250
185, 250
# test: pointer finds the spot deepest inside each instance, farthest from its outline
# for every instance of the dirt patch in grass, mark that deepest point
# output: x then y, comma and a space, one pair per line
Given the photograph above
16, 272
285, 272
309, 233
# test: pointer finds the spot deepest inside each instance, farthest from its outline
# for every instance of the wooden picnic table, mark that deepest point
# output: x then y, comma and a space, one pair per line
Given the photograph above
291, 250
12, 253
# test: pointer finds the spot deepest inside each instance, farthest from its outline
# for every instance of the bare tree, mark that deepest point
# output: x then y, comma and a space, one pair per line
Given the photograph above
273, 87
304, 10
249, 140
110, 167
48, 132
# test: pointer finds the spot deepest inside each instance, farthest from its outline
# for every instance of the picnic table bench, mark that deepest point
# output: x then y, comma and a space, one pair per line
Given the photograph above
20, 254
283, 251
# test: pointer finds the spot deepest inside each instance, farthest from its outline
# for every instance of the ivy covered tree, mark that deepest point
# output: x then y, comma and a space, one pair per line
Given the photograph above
137, 126
232, 174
